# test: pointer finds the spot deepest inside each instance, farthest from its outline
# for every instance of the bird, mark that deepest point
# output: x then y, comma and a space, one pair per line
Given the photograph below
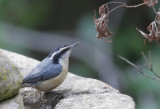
52, 71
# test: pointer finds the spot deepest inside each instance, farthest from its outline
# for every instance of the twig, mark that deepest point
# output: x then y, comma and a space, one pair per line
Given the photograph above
132, 6
150, 61
136, 6
125, 5
144, 57
115, 9
138, 68
154, 10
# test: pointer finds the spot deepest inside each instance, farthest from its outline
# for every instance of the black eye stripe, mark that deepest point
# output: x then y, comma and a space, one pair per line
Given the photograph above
57, 49
63, 51
58, 55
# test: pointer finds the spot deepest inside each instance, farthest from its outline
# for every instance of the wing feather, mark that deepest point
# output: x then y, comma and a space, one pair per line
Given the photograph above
45, 70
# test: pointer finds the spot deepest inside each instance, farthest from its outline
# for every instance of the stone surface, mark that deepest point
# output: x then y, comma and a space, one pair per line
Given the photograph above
74, 93
15, 102
97, 101
10, 78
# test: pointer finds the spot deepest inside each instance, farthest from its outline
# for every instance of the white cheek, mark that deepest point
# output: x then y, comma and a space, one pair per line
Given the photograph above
53, 55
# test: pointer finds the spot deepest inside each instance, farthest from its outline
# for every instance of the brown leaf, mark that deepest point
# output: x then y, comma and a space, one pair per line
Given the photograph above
158, 18
153, 32
101, 23
150, 2
153, 29
102, 10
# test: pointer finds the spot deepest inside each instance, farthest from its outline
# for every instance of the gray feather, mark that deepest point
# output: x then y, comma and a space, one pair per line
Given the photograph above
45, 70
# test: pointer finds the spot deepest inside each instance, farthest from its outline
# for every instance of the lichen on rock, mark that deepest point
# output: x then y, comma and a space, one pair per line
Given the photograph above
10, 78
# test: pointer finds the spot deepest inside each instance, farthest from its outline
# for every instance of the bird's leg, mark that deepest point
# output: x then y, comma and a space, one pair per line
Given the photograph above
41, 96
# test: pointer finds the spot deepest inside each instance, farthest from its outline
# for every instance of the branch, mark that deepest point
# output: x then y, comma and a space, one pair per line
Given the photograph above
138, 67
101, 23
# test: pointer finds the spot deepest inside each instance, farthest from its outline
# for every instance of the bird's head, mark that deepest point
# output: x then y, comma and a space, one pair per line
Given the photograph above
61, 53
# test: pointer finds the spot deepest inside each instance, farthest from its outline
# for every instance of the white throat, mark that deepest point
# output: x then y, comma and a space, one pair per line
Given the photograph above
64, 63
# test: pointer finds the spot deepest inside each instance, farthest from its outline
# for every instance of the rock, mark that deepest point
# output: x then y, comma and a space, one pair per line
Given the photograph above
97, 101
15, 102
10, 78
74, 93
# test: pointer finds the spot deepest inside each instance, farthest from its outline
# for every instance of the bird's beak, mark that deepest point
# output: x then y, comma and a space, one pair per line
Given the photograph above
73, 45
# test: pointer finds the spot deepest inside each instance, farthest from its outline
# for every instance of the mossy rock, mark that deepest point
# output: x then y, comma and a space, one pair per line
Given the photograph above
10, 78
15, 102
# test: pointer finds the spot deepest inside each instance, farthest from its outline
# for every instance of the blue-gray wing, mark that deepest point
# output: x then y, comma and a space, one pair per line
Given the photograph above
45, 70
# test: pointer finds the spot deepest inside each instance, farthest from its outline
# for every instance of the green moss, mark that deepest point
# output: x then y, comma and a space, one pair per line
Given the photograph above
8, 91
10, 78
4, 70
13, 66
4, 78
9, 85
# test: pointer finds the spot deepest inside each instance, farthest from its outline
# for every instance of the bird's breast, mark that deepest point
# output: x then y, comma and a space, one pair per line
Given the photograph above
52, 83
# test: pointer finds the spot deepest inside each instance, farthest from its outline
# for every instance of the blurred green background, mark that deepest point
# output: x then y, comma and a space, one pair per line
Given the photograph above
35, 27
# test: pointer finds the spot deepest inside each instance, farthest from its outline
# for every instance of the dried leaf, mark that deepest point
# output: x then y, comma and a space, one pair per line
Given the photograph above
101, 23
153, 32
153, 29
158, 18
150, 3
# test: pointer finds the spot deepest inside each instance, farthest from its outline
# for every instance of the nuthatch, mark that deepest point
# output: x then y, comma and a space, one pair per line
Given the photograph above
52, 71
